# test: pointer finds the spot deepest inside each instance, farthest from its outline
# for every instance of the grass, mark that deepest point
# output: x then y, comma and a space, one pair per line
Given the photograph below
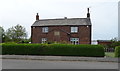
110, 54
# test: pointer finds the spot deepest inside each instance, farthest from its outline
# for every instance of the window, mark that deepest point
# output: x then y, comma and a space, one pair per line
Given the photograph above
45, 29
56, 33
74, 29
44, 40
74, 40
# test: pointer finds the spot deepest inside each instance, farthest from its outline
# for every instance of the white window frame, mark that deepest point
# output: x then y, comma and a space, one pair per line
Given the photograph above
45, 29
74, 29
43, 40
74, 41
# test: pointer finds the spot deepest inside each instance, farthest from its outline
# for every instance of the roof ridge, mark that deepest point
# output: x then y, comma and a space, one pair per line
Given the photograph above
60, 19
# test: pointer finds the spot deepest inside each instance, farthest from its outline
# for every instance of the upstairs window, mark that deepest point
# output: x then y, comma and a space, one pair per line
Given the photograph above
45, 29
44, 40
74, 29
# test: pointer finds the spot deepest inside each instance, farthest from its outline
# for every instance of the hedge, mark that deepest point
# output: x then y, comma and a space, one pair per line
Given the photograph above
53, 49
117, 51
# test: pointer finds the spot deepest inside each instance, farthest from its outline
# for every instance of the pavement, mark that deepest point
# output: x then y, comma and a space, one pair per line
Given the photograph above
44, 64
60, 58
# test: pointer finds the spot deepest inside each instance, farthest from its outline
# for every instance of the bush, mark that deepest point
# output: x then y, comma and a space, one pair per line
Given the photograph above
114, 44
53, 49
117, 51
0, 48
9, 43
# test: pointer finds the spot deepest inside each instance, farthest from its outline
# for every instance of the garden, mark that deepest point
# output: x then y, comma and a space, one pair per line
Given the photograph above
57, 50
113, 49
14, 42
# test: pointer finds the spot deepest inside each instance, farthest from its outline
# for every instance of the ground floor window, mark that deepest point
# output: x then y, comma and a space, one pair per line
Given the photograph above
44, 40
74, 40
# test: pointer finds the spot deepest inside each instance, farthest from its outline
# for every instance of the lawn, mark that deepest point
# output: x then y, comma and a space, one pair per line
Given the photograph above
110, 54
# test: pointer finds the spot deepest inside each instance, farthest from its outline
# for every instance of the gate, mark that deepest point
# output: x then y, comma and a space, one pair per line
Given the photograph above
109, 49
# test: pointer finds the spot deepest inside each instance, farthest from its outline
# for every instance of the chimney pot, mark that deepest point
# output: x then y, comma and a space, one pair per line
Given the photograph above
88, 14
65, 17
37, 17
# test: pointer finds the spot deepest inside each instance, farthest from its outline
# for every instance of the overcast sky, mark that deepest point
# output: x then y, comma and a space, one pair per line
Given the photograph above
104, 14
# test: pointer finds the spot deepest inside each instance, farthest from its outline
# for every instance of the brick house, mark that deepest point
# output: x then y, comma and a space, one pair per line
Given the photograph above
104, 42
69, 30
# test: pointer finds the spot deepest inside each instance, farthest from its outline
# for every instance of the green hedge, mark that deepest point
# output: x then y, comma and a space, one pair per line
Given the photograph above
117, 51
53, 49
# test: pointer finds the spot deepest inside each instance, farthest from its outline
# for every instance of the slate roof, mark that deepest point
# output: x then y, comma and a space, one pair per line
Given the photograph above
62, 22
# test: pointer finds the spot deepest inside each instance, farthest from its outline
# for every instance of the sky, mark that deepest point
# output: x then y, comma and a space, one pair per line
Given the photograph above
104, 14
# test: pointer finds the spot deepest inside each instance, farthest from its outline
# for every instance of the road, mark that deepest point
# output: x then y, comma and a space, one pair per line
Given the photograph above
41, 64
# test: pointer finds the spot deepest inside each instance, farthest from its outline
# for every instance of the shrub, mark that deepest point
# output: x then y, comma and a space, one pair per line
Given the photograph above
54, 49
114, 44
9, 43
0, 48
117, 51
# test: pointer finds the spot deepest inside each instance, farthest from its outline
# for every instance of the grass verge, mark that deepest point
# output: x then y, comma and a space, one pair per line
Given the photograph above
110, 54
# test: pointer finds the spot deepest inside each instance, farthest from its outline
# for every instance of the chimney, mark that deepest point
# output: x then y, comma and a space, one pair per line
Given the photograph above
88, 14
65, 17
37, 17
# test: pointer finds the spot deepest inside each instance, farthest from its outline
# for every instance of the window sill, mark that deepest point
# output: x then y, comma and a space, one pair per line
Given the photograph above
74, 33
45, 32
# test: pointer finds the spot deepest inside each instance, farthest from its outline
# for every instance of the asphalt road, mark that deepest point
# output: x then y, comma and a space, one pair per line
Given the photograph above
41, 64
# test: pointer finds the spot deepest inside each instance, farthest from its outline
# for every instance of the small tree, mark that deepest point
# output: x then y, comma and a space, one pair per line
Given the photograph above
2, 34
16, 33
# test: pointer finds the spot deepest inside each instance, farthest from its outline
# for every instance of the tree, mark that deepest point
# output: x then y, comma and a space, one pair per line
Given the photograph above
16, 33
2, 33
114, 39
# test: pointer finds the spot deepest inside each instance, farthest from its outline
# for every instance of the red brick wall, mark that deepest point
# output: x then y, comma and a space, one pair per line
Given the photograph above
104, 43
84, 34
